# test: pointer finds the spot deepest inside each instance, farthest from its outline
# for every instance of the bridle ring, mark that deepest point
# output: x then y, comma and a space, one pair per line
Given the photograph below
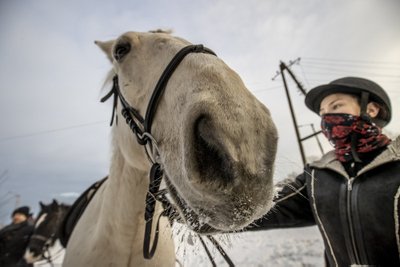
152, 150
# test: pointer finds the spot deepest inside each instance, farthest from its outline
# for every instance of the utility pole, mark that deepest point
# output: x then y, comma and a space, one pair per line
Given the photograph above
17, 200
314, 134
316, 137
300, 140
283, 67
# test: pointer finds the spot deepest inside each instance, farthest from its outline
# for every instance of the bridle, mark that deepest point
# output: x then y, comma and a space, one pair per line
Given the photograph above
48, 241
49, 258
146, 139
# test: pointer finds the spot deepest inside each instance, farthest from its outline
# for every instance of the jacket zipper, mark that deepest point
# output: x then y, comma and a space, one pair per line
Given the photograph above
350, 220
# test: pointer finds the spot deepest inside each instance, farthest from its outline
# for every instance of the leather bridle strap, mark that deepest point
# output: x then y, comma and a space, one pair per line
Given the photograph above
40, 237
207, 251
156, 172
166, 75
220, 249
143, 135
156, 175
48, 258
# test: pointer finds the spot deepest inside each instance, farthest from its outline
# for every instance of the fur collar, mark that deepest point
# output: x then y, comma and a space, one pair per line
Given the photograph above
329, 161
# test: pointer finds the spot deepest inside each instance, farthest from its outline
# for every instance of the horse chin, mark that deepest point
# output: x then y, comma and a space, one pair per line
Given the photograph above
230, 216
186, 215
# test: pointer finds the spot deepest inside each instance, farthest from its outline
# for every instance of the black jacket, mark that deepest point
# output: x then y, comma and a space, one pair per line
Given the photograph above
14, 239
358, 217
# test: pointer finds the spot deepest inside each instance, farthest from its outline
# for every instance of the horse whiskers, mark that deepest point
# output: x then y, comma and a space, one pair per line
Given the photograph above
210, 248
287, 183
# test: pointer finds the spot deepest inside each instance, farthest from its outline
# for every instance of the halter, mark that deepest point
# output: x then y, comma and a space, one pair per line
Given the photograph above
48, 240
145, 138
45, 248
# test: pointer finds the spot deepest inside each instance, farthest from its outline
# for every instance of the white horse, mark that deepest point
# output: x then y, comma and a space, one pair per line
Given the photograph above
216, 144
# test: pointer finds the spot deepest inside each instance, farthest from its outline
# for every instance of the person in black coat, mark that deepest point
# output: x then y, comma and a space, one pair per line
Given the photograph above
14, 238
353, 192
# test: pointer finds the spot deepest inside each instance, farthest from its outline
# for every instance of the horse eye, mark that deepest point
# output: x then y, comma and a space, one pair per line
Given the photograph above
121, 49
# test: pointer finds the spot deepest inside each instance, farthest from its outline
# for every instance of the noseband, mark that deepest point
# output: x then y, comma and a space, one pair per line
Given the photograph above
145, 138
45, 247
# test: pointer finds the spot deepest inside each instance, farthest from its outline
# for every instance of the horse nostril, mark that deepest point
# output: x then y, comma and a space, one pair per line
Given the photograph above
213, 162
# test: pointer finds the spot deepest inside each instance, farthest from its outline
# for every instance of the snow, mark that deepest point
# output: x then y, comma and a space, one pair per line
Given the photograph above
297, 247
284, 247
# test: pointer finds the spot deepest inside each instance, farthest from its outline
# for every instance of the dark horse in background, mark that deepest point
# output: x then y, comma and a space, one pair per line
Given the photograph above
43, 243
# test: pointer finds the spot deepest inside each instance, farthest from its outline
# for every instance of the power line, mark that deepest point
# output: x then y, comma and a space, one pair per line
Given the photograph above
354, 65
266, 89
319, 74
291, 62
332, 68
353, 61
304, 74
50, 131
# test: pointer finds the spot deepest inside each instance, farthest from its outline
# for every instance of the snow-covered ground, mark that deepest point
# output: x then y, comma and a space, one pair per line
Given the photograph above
301, 247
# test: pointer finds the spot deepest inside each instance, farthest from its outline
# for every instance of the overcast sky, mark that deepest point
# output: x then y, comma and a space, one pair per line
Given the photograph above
55, 135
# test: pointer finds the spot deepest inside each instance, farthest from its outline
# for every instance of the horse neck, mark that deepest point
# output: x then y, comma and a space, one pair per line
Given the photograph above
124, 194
123, 210
117, 233
63, 210
127, 182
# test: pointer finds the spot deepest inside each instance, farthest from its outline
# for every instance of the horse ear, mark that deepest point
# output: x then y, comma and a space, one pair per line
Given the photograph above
41, 204
55, 202
106, 47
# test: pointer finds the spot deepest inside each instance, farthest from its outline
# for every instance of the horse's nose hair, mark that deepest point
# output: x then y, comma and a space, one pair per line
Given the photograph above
214, 163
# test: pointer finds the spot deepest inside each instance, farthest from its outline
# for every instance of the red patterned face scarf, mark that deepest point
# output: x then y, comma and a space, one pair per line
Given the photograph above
344, 129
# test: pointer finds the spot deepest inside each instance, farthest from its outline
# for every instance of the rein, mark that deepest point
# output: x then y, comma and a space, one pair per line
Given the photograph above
141, 128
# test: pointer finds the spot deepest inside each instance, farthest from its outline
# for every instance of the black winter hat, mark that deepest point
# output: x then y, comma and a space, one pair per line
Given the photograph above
22, 210
350, 85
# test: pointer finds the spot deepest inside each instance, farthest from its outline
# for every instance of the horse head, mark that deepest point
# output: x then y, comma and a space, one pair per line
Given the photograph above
45, 230
215, 141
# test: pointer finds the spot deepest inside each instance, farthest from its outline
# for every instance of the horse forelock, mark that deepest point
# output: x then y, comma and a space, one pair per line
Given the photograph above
167, 31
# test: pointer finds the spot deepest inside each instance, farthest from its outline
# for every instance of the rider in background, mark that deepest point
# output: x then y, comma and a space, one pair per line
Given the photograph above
15, 237
352, 192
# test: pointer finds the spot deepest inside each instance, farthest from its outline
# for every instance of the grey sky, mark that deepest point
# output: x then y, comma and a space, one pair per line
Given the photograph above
51, 73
